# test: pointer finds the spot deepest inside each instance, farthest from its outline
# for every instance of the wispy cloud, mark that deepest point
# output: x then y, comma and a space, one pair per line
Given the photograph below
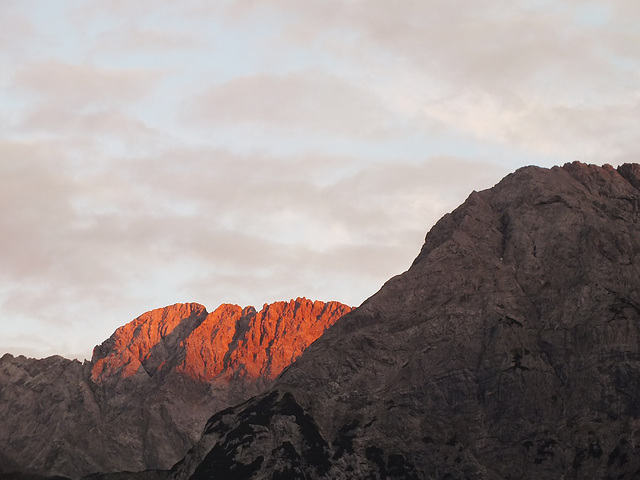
309, 100
250, 151
500, 72
128, 38
82, 85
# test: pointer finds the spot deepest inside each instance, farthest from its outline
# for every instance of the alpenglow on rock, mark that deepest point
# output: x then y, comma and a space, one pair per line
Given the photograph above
144, 398
510, 349
229, 343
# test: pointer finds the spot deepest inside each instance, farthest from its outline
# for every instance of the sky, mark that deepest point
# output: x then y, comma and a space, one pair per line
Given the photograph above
251, 151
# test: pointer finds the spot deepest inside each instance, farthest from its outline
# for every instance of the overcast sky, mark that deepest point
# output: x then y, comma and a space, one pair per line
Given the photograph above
248, 151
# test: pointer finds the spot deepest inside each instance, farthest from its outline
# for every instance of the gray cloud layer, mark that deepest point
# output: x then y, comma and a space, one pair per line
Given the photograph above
252, 151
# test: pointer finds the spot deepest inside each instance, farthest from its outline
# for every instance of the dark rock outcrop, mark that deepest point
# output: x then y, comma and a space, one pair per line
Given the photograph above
145, 397
510, 349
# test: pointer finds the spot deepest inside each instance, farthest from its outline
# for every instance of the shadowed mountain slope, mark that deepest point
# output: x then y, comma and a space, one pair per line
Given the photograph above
510, 349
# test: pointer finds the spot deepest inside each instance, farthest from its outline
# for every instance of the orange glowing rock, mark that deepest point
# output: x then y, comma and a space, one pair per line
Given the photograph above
207, 348
279, 333
140, 344
228, 343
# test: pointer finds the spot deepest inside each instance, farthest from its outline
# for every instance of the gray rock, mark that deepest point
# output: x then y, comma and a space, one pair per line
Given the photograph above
510, 349
145, 397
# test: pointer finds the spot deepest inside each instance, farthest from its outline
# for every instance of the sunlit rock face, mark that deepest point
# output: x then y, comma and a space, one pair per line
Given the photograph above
146, 343
228, 343
510, 349
144, 398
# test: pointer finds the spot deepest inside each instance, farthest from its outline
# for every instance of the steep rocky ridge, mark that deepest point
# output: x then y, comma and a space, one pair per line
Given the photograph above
510, 349
143, 399
148, 342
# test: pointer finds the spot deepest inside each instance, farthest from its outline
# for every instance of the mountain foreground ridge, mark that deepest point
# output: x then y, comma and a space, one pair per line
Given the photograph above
143, 399
510, 349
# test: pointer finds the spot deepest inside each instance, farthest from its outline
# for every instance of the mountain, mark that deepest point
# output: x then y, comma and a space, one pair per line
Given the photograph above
510, 349
143, 399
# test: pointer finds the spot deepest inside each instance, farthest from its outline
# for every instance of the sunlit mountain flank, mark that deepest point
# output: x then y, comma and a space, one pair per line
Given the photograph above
143, 399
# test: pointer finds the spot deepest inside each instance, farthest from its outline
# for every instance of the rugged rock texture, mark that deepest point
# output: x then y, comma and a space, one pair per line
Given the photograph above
143, 400
260, 344
510, 349
148, 342
38, 401
229, 343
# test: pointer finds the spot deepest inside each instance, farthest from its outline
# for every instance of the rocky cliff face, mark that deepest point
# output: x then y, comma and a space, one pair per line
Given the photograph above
228, 343
260, 344
146, 344
144, 398
510, 349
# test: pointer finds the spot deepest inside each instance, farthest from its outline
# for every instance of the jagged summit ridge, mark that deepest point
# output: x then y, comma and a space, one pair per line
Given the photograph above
230, 342
260, 344
509, 349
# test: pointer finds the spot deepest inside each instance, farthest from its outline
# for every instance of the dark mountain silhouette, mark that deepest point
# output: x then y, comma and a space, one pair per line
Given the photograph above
510, 349
143, 399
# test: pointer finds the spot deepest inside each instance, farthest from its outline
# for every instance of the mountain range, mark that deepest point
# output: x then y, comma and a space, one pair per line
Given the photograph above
143, 399
509, 349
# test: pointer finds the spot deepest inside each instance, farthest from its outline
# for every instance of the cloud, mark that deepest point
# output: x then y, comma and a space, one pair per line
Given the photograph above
78, 85
62, 121
92, 110
14, 25
310, 100
125, 235
252, 151
127, 38
499, 72
502, 44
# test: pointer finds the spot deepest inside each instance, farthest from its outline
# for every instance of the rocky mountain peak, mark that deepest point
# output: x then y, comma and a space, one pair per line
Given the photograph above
229, 343
276, 335
145, 344
144, 398
509, 349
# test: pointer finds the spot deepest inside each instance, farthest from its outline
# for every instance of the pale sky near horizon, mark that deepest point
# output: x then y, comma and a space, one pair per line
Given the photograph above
250, 151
